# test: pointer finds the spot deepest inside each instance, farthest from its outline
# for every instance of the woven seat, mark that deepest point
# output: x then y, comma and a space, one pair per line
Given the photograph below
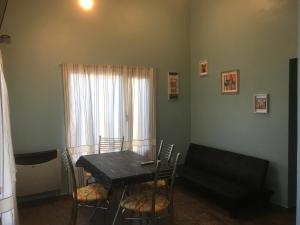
88, 174
93, 192
164, 154
90, 196
152, 204
142, 202
159, 184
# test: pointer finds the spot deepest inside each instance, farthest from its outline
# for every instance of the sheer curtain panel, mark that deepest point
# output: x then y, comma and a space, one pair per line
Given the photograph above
111, 101
8, 209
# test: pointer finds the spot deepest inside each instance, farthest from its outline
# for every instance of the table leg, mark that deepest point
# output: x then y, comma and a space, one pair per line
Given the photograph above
119, 206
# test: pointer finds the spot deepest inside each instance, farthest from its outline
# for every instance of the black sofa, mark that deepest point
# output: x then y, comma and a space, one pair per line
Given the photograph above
233, 178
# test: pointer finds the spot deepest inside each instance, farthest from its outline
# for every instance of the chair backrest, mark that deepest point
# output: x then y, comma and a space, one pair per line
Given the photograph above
168, 172
110, 144
165, 151
69, 165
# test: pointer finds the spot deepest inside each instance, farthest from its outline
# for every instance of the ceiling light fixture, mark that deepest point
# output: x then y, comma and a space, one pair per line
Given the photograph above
86, 4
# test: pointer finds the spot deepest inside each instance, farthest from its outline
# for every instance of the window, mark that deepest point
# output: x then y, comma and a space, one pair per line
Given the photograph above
111, 101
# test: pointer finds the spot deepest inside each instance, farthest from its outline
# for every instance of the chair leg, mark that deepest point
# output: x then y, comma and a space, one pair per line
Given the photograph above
74, 219
122, 217
153, 221
93, 214
171, 212
119, 206
72, 216
143, 220
104, 217
148, 221
132, 215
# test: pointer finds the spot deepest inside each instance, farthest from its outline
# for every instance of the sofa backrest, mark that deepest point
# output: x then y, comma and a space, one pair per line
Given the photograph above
239, 168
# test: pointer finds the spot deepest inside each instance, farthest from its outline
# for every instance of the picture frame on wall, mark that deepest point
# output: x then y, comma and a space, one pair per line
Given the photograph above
261, 103
203, 67
230, 82
173, 85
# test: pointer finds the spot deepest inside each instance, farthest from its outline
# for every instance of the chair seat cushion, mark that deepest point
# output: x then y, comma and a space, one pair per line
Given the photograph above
88, 174
218, 185
92, 192
142, 202
159, 184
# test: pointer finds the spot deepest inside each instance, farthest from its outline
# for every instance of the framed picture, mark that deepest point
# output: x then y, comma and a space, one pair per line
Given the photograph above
203, 68
173, 85
261, 103
230, 81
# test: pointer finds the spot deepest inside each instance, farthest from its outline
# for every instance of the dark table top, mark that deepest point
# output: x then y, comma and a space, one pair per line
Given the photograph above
117, 168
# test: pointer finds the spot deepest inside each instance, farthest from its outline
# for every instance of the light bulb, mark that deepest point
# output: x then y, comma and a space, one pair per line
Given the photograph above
86, 4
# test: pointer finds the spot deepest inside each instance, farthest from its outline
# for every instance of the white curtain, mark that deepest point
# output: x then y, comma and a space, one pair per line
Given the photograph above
8, 210
111, 101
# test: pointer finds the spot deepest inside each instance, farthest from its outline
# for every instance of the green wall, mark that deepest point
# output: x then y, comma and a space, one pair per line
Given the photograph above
257, 37
131, 32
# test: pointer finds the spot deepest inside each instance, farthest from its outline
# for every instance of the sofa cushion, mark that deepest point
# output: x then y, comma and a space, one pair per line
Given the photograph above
238, 168
217, 185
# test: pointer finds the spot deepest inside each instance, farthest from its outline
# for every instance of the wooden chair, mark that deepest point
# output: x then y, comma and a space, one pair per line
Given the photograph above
152, 205
91, 196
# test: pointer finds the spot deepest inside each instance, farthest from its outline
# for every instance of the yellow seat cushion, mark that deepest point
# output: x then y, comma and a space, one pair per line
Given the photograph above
88, 174
159, 184
92, 192
142, 202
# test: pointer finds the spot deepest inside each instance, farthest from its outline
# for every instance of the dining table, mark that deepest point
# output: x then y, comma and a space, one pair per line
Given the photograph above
118, 170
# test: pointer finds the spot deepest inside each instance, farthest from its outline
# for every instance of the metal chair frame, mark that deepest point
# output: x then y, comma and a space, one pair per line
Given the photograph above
159, 174
165, 151
110, 144
103, 205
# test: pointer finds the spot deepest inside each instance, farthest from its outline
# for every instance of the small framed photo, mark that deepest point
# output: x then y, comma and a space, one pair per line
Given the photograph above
203, 68
173, 85
230, 82
261, 103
